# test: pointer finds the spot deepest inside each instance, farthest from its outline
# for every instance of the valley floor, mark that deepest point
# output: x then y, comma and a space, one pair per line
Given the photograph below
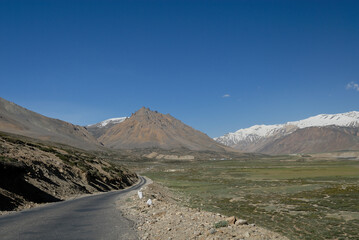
300, 197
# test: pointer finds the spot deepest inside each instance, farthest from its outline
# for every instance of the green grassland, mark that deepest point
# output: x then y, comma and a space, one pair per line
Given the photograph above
302, 198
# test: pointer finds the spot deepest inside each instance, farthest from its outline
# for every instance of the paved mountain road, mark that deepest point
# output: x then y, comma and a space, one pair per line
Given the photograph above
90, 217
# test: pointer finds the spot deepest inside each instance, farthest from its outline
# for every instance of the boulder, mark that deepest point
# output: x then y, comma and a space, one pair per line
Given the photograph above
241, 222
231, 220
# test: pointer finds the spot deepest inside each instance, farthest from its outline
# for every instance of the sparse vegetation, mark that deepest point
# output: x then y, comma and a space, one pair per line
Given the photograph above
307, 199
221, 224
7, 159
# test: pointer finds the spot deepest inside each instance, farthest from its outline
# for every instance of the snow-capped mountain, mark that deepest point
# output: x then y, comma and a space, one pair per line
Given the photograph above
349, 119
108, 121
256, 137
100, 128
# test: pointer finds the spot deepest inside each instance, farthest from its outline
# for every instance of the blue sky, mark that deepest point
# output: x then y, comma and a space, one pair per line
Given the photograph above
216, 65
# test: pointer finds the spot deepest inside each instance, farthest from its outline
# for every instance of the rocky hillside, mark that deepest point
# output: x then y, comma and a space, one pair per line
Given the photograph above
151, 129
18, 120
299, 136
32, 173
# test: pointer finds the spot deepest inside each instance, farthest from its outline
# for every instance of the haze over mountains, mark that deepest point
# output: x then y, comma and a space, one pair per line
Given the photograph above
321, 133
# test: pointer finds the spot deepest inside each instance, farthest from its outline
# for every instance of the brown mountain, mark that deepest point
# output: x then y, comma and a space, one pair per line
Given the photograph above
18, 120
314, 140
150, 129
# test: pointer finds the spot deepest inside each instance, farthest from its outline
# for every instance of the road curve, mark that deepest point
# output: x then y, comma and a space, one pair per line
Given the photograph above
90, 217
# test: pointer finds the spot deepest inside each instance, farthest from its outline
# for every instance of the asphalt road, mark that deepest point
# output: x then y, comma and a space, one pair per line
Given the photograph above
90, 217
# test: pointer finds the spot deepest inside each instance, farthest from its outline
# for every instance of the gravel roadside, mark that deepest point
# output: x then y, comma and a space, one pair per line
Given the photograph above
166, 219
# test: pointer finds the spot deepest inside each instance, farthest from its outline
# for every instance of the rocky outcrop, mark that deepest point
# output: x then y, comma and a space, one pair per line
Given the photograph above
155, 155
33, 173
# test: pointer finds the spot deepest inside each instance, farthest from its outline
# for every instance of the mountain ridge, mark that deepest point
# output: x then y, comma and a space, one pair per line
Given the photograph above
257, 137
19, 120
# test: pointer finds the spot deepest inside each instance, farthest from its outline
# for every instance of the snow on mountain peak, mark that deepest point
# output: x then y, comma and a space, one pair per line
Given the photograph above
349, 119
108, 121
256, 132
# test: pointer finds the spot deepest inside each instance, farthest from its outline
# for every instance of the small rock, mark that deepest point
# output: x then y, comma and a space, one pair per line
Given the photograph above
231, 220
241, 222
212, 231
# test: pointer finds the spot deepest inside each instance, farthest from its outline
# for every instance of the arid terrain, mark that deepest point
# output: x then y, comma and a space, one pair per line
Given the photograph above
33, 173
167, 218
300, 197
18, 120
198, 183
151, 129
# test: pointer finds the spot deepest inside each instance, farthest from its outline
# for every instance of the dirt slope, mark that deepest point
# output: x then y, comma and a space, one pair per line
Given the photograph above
150, 129
18, 120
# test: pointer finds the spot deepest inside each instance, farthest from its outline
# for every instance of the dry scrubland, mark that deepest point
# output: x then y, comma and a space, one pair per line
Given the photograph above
166, 219
301, 197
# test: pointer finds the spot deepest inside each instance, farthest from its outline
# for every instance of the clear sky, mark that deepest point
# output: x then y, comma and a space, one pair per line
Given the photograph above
216, 65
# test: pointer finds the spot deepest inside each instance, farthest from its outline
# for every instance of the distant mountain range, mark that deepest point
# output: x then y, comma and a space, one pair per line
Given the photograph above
144, 129
148, 129
321, 133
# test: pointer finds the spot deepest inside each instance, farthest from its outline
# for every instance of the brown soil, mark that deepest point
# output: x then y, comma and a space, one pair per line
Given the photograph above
167, 219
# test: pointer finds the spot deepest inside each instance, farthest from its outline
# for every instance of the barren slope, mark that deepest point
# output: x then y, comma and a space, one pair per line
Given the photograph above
314, 140
18, 120
150, 129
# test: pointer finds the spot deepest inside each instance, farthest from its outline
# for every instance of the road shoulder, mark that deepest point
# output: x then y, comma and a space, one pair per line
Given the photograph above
167, 219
